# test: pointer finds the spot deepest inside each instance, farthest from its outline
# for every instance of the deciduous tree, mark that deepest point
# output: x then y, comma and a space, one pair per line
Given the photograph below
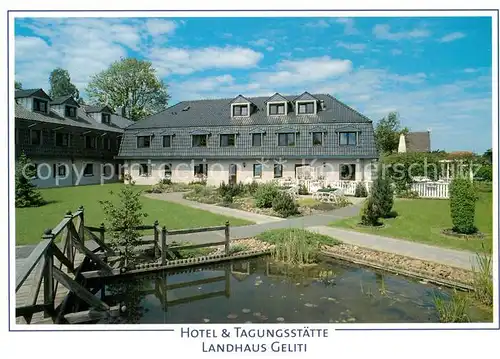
60, 84
132, 85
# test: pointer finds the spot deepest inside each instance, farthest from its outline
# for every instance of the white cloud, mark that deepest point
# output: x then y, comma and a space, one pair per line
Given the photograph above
186, 61
293, 72
270, 48
383, 31
452, 37
318, 24
396, 52
352, 46
349, 28
160, 26
470, 70
260, 42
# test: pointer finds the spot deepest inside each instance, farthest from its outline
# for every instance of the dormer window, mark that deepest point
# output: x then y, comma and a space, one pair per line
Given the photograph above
241, 110
39, 105
277, 109
306, 108
70, 111
143, 141
348, 138
106, 118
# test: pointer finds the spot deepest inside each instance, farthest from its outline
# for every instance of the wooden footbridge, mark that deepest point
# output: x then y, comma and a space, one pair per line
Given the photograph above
59, 282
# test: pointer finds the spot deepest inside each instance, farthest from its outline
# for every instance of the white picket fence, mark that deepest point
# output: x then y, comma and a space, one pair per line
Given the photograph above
431, 189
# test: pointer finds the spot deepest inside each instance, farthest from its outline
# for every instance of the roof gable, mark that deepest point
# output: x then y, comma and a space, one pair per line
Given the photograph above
69, 100
276, 98
98, 108
306, 96
32, 93
347, 129
241, 99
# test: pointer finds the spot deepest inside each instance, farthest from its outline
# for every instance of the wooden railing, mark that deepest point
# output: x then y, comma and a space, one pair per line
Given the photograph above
56, 264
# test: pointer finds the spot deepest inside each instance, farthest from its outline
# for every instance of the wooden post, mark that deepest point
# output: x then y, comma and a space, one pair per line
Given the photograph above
163, 245
81, 232
226, 233
227, 287
69, 239
48, 278
101, 232
156, 239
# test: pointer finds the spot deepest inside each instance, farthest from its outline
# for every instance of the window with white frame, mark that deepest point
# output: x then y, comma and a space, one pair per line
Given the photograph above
278, 170
39, 105
257, 170
317, 138
199, 140
143, 141
256, 139
167, 141
277, 109
305, 108
286, 139
240, 110
70, 111
228, 140
348, 138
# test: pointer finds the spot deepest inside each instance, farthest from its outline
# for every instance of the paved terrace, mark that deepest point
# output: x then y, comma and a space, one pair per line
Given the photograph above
317, 223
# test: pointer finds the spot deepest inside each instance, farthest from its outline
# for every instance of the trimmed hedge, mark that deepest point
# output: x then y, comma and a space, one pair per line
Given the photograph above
463, 205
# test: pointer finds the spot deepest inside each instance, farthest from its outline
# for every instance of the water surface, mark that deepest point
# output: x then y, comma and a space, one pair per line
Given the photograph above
261, 291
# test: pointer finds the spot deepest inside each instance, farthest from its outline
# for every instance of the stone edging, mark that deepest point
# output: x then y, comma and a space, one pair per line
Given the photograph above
394, 269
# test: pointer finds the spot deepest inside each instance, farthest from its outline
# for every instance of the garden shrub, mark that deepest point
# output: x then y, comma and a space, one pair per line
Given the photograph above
360, 190
227, 199
462, 205
27, 194
303, 190
370, 213
485, 172
233, 190
284, 204
251, 188
383, 194
265, 194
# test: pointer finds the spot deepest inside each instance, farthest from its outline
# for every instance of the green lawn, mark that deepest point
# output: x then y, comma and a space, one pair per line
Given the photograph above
31, 222
422, 220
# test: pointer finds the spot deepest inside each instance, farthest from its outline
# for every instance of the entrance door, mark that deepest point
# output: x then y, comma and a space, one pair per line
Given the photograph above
232, 173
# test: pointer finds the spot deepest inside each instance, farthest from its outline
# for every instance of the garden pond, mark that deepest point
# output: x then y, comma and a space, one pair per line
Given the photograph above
263, 291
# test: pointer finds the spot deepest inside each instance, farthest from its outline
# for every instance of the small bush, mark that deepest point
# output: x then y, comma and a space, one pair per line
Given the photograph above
382, 194
166, 181
27, 194
233, 190
360, 190
227, 199
265, 194
370, 213
303, 190
463, 206
285, 205
251, 188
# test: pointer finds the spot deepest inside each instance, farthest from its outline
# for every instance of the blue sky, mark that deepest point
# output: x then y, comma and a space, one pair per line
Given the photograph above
435, 71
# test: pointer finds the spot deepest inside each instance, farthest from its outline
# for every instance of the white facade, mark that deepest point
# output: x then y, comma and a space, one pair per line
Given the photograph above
218, 171
62, 172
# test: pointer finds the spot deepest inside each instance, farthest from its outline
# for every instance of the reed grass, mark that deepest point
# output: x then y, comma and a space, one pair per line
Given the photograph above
453, 310
482, 281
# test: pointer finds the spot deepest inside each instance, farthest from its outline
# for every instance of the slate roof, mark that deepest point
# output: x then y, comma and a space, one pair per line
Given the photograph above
213, 117
64, 99
82, 120
418, 141
31, 92
218, 113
